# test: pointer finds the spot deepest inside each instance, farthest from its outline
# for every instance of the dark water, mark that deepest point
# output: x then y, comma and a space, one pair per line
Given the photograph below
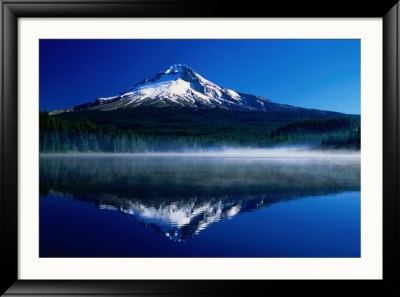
132, 206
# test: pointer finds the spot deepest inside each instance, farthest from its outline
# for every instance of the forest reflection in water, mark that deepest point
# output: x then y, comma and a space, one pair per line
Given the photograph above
179, 197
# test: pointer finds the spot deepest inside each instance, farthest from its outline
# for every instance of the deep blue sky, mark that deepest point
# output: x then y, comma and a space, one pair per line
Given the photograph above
322, 74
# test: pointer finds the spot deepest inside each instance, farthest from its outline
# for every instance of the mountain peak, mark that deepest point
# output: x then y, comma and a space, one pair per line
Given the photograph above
178, 68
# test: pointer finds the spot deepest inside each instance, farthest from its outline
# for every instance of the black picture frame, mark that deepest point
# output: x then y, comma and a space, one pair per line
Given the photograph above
11, 10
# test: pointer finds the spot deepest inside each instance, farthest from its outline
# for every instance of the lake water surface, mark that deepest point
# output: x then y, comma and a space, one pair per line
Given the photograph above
174, 206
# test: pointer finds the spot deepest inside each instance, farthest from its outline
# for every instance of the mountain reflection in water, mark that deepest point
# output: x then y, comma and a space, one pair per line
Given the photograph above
179, 197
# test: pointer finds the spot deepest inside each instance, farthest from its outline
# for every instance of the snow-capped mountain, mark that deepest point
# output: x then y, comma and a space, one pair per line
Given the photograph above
181, 86
179, 222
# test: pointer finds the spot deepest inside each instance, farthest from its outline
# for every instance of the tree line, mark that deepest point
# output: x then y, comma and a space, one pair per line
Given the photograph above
329, 133
61, 135
58, 135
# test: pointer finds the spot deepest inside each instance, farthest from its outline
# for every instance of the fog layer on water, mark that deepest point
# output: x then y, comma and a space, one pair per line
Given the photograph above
276, 152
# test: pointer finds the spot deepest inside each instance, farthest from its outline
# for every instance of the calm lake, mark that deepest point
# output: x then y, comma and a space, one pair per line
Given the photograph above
173, 206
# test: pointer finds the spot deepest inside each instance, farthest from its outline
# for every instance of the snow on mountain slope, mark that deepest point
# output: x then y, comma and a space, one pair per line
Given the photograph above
180, 86
182, 221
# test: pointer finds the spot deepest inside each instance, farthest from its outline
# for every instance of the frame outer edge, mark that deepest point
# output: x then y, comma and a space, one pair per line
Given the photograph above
396, 221
391, 143
3, 286
9, 149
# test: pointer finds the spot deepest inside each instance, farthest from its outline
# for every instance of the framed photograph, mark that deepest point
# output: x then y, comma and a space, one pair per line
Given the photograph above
193, 148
